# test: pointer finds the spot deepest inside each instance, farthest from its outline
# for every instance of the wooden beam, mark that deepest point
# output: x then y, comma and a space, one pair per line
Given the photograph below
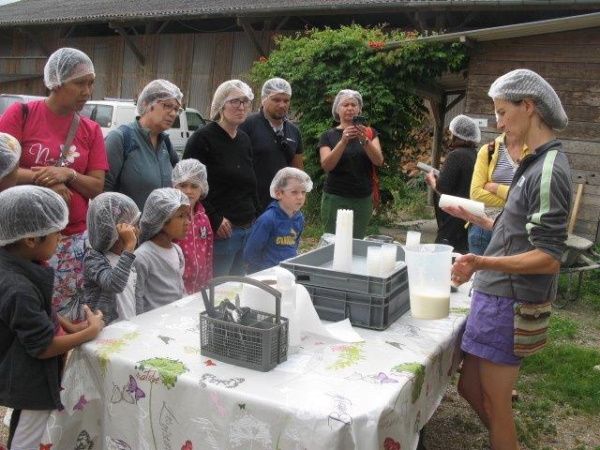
429, 91
155, 27
453, 103
466, 21
69, 32
163, 26
247, 27
129, 42
282, 22
421, 21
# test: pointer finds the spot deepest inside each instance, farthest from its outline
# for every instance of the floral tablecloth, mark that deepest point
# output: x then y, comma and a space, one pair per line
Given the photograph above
144, 385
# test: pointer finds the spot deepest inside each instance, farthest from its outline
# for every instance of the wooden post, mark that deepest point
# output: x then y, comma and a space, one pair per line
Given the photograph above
437, 112
129, 42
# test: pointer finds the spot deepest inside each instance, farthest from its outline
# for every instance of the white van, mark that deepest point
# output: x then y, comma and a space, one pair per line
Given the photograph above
8, 99
111, 114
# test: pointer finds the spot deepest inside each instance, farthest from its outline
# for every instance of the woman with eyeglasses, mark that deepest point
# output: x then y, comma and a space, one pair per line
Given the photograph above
349, 152
226, 151
140, 154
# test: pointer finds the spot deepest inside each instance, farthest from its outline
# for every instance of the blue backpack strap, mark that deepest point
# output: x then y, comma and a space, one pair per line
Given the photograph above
128, 147
173, 157
128, 144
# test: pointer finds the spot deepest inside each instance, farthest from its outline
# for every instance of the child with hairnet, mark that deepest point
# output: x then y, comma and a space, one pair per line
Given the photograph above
275, 235
189, 176
109, 276
10, 153
159, 261
31, 346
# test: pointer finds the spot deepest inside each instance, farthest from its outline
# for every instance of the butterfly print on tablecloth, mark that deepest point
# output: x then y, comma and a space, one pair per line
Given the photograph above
130, 393
166, 339
80, 403
116, 444
84, 441
379, 378
227, 382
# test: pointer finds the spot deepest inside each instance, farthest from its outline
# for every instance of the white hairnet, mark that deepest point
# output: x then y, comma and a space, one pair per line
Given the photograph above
66, 64
30, 211
275, 86
520, 84
341, 96
223, 93
104, 213
10, 153
190, 170
282, 177
156, 91
160, 206
465, 128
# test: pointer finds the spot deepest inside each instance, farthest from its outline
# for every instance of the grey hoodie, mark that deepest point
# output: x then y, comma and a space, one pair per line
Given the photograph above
534, 217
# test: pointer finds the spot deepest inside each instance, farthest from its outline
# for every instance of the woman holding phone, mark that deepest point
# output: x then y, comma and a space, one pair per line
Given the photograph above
348, 154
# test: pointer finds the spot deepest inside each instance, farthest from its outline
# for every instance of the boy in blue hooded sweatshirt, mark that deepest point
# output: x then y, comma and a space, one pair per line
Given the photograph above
276, 233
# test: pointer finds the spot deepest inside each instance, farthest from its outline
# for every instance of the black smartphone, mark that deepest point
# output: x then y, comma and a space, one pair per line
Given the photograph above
359, 120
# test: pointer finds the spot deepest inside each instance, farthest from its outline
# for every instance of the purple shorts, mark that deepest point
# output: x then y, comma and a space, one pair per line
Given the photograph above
490, 328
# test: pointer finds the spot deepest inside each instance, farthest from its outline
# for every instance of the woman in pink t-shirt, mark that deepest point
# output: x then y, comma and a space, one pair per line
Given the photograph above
76, 173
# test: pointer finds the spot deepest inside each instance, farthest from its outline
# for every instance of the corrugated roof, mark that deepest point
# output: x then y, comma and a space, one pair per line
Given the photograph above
580, 22
46, 12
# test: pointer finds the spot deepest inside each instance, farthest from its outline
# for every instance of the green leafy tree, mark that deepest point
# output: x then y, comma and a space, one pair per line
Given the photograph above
319, 63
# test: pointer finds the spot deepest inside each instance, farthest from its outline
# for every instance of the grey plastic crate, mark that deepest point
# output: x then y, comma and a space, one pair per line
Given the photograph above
363, 310
314, 269
259, 343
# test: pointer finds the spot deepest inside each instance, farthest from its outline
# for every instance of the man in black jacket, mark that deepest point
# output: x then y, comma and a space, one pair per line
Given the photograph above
276, 142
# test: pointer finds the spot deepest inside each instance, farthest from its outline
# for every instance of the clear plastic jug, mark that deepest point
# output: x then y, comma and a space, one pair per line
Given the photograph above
429, 267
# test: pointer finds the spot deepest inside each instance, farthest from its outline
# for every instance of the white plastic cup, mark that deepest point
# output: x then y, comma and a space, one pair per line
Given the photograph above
388, 258
429, 267
342, 249
413, 238
374, 261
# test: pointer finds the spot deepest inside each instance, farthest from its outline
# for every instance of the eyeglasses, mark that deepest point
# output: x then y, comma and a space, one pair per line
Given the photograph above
172, 107
237, 102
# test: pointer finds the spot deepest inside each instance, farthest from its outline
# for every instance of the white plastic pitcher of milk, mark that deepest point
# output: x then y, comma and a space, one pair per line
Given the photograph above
429, 267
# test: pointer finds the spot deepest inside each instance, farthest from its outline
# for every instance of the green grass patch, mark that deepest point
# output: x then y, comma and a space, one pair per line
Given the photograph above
590, 289
409, 203
564, 373
313, 229
531, 420
562, 328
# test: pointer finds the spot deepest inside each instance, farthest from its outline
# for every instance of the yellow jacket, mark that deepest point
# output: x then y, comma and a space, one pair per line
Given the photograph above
482, 173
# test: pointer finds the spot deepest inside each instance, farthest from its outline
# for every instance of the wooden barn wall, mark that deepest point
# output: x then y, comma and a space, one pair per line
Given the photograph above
570, 61
197, 63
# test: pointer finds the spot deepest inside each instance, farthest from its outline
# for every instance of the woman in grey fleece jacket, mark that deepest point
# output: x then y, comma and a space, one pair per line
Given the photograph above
519, 269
